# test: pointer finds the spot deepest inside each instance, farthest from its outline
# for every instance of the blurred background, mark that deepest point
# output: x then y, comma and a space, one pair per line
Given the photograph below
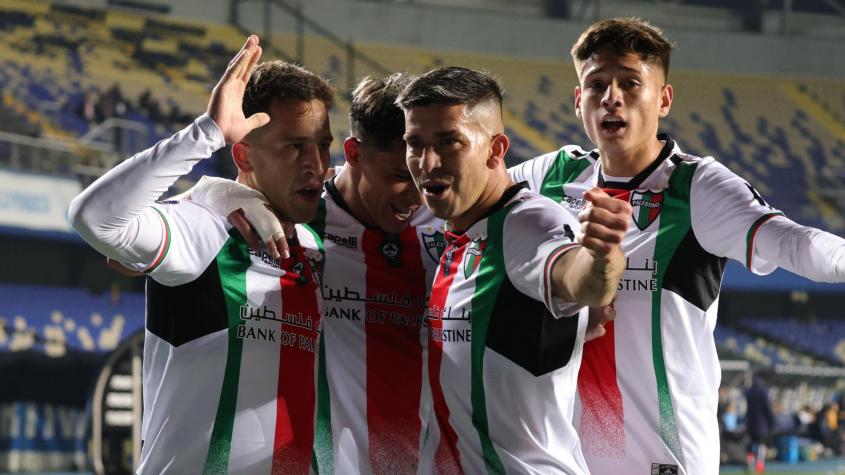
759, 84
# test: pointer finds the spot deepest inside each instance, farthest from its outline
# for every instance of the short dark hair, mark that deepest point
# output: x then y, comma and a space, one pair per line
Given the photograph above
280, 81
449, 86
374, 116
622, 36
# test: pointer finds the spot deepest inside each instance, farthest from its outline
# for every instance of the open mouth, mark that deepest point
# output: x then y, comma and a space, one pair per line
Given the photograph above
434, 189
613, 124
402, 214
309, 193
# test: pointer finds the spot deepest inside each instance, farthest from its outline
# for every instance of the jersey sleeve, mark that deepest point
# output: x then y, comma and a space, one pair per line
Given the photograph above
806, 251
727, 213
192, 237
533, 171
117, 214
536, 233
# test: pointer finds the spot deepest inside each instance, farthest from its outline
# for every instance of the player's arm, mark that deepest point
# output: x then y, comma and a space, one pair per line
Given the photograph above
543, 258
731, 219
115, 214
590, 275
806, 251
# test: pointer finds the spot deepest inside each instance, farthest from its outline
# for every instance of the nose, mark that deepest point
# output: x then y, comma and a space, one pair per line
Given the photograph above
430, 160
612, 97
312, 160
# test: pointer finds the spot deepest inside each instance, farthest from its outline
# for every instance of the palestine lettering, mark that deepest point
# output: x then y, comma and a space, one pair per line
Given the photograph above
451, 335
633, 285
437, 313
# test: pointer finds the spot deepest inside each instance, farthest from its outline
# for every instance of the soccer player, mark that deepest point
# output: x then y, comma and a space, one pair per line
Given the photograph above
505, 331
231, 333
381, 249
648, 388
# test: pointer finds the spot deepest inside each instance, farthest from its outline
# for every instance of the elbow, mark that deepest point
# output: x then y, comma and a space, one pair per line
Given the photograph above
81, 216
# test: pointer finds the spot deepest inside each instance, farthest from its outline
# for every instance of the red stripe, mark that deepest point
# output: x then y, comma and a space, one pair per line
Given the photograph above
653, 212
394, 353
447, 459
602, 414
295, 402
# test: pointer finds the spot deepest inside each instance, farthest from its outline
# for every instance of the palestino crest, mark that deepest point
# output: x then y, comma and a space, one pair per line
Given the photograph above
435, 244
645, 207
473, 257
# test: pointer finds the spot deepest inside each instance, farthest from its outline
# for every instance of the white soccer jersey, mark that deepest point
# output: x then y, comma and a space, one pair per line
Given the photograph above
503, 366
648, 388
374, 394
230, 353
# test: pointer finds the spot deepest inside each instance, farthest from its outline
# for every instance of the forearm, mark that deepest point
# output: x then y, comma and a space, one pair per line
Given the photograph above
580, 277
114, 214
806, 251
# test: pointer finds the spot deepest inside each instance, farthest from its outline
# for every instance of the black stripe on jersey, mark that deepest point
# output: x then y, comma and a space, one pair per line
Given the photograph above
694, 273
523, 331
186, 312
641, 176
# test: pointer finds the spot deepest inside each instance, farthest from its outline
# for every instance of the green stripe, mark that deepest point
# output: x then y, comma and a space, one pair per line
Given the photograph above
318, 225
232, 262
322, 455
675, 222
487, 284
322, 459
751, 231
564, 169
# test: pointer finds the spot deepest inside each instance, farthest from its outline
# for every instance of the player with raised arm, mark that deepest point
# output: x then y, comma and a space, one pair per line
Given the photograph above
381, 249
648, 389
505, 330
232, 333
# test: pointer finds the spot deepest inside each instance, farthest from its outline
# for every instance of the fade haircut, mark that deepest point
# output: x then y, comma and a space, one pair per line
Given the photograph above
621, 36
375, 117
280, 81
450, 86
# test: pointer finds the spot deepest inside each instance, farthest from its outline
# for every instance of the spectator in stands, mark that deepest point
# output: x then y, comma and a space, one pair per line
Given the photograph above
828, 427
759, 422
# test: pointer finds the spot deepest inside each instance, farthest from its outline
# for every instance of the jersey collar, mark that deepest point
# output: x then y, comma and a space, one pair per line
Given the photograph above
452, 235
638, 180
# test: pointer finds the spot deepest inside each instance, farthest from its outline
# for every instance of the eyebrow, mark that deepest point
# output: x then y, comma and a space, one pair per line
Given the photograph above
603, 69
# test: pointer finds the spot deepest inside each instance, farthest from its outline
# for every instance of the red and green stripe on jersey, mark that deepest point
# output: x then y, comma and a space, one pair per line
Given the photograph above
371, 371
266, 316
495, 355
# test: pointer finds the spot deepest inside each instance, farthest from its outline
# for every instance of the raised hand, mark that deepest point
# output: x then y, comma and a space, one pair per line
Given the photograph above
603, 224
226, 104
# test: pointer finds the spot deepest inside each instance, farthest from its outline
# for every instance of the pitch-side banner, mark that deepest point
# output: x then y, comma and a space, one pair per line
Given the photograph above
35, 202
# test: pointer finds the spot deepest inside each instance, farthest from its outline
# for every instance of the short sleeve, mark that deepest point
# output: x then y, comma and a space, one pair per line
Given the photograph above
727, 211
536, 233
533, 171
193, 236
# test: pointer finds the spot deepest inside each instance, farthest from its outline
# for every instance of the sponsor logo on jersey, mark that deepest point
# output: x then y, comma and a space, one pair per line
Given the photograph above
664, 469
349, 242
646, 207
435, 244
391, 250
473, 257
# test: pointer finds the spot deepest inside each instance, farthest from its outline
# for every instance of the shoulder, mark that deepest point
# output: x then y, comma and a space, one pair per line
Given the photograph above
530, 211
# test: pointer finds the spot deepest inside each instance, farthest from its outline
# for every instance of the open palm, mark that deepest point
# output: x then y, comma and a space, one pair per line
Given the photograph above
226, 104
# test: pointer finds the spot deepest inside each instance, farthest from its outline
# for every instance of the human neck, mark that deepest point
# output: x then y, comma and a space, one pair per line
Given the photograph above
629, 163
498, 183
347, 185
